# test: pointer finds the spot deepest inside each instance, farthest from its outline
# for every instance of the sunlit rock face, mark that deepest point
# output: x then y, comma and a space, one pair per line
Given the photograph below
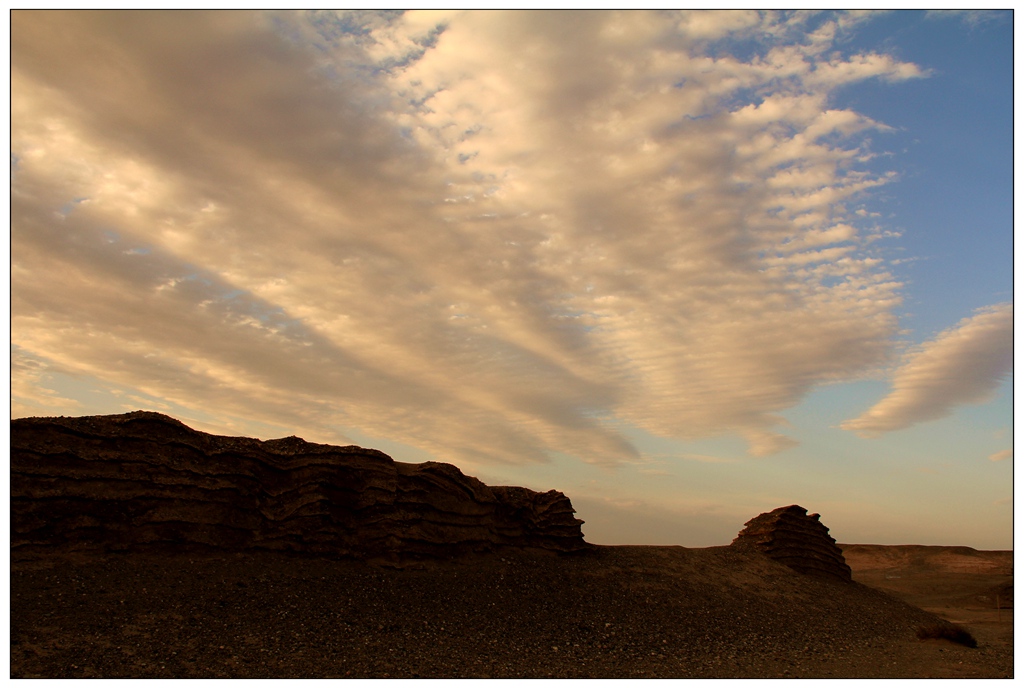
800, 541
144, 481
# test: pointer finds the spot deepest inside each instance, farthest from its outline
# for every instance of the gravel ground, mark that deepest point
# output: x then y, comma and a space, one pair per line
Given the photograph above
613, 612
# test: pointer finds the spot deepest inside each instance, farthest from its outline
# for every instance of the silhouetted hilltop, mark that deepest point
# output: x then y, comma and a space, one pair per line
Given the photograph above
145, 481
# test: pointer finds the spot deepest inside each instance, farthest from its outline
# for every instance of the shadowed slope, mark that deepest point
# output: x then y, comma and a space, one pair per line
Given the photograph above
624, 612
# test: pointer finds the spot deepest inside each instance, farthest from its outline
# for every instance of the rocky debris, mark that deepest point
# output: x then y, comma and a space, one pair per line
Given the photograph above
800, 541
612, 612
143, 481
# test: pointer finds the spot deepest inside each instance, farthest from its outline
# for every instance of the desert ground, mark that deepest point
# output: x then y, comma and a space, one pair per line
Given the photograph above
968, 587
617, 612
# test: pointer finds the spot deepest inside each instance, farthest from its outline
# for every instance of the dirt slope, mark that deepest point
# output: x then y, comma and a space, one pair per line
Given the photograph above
612, 612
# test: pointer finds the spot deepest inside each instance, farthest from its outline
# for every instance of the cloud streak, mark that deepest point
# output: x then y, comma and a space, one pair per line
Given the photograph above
962, 365
493, 236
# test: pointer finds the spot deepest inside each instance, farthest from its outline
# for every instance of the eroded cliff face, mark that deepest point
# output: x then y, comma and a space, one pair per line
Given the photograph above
143, 480
793, 538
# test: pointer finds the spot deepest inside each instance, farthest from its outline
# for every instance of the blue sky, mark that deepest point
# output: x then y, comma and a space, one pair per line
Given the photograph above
952, 147
683, 267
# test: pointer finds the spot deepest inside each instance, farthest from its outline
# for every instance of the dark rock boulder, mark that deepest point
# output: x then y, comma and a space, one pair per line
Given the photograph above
145, 481
791, 537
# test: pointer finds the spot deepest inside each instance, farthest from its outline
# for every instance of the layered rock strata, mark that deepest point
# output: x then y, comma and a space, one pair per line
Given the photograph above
145, 481
800, 541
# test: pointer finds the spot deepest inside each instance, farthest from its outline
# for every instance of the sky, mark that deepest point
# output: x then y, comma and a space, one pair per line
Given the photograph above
683, 267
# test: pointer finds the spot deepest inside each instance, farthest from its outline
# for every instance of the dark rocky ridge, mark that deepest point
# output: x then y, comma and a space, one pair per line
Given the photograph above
143, 481
791, 537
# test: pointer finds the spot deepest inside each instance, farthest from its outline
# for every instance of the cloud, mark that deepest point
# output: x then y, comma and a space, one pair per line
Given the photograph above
1001, 455
492, 236
963, 365
706, 458
972, 18
32, 392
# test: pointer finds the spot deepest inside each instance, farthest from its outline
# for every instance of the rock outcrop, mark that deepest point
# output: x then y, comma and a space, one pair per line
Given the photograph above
792, 537
145, 481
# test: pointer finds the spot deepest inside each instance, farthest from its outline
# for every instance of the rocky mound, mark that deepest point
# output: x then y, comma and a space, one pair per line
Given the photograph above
145, 481
800, 541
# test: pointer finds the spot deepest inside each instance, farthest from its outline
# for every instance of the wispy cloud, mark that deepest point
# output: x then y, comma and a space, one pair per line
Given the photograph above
972, 18
32, 392
483, 234
1001, 455
706, 458
963, 365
